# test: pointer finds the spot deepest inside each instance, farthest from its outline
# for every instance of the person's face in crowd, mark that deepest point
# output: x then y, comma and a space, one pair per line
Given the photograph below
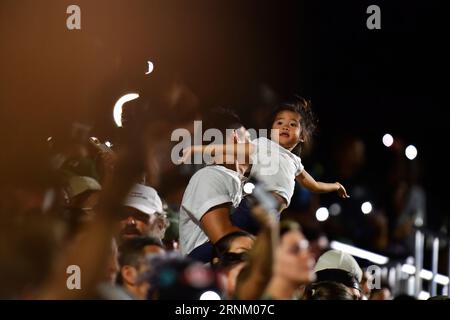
87, 202
366, 280
142, 286
294, 261
132, 279
287, 129
113, 263
382, 294
318, 246
134, 223
153, 249
241, 244
158, 225
91, 200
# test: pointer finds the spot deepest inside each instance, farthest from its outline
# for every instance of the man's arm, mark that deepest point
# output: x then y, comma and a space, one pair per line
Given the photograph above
255, 276
216, 222
221, 152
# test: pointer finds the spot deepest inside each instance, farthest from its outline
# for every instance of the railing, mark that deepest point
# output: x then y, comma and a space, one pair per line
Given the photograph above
407, 277
422, 237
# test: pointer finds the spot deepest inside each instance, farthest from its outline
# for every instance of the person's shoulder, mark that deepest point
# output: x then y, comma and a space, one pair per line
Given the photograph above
295, 157
264, 143
298, 162
261, 140
205, 171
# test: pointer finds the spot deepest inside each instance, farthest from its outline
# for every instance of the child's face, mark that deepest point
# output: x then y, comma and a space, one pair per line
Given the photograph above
288, 128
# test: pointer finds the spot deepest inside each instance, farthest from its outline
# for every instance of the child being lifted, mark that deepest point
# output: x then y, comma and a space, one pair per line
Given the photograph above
276, 162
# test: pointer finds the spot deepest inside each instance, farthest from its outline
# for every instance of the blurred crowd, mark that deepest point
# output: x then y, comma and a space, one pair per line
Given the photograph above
111, 206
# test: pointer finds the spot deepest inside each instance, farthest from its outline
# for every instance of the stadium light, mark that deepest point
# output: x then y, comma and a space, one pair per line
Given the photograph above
210, 295
360, 253
335, 209
117, 111
411, 152
388, 140
366, 207
322, 214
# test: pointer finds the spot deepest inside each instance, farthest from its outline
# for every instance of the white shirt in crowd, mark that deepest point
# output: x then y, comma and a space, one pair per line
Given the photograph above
208, 187
276, 167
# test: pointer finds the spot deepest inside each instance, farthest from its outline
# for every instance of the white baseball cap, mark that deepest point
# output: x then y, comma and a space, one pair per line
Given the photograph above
144, 198
335, 259
79, 184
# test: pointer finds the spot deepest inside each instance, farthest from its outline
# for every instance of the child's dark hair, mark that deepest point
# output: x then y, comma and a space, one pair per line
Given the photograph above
221, 119
308, 120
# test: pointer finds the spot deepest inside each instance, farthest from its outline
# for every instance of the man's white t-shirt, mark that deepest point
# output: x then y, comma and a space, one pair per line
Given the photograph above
208, 187
276, 167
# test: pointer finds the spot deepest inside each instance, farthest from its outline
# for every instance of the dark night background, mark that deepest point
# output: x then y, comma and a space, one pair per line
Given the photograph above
362, 82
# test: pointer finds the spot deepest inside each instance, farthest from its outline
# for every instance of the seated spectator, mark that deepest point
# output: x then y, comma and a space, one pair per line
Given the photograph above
383, 293
143, 214
337, 266
293, 265
134, 265
83, 193
230, 257
236, 242
328, 290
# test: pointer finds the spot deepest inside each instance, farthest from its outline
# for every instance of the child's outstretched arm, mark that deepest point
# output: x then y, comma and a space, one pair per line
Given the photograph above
221, 152
312, 185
